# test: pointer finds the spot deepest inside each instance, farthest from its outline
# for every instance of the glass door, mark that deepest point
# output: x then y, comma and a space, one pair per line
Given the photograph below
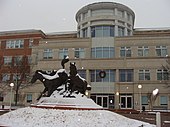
126, 102
102, 101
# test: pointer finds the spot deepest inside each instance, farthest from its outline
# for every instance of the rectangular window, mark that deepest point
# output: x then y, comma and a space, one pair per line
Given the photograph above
163, 100
48, 54
29, 98
10, 44
162, 75
63, 53
109, 76
126, 75
82, 73
144, 75
121, 31
85, 32
79, 53
144, 100
8, 60
161, 51
125, 52
143, 51
102, 31
103, 52
5, 77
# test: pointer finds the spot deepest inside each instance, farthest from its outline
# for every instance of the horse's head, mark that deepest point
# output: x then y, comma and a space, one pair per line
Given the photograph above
36, 76
73, 69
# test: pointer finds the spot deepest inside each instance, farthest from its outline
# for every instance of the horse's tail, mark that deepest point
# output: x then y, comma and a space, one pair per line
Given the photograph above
65, 60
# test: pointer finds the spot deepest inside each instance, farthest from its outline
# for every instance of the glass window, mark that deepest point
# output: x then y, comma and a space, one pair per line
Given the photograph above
48, 54
125, 52
5, 77
102, 31
144, 75
7, 60
126, 75
63, 53
79, 53
144, 100
110, 76
29, 98
163, 100
121, 31
85, 32
102, 52
162, 75
14, 44
143, 51
82, 73
161, 51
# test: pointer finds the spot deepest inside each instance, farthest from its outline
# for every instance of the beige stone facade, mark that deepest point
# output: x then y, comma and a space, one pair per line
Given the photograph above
129, 57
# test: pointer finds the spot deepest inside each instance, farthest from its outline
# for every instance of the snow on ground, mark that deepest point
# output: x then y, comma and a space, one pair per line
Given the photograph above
43, 117
38, 117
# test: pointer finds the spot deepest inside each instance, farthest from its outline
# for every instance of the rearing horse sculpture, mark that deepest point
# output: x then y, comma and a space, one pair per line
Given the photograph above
50, 84
77, 83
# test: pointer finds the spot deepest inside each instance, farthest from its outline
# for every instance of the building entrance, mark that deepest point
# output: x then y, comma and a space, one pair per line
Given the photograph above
126, 102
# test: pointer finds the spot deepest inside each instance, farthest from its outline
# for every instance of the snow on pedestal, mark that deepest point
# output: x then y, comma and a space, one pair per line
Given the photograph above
76, 101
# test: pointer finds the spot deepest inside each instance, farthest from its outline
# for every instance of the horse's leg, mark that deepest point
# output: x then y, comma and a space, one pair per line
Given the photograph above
45, 89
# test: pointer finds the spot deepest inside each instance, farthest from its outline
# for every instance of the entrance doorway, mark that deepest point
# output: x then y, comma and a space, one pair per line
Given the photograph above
102, 101
126, 102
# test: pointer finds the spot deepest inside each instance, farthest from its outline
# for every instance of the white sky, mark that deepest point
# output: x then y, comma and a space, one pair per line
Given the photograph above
59, 15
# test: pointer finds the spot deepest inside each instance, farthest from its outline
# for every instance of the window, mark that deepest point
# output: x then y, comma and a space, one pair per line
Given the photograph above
161, 50
63, 53
143, 51
85, 15
16, 77
128, 16
121, 31
14, 44
144, 100
79, 53
7, 60
48, 54
110, 76
126, 75
85, 32
18, 60
29, 98
102, 31
82, 73
125, 52
120, 13
103, 52
5, 77
31, 43
144, 75
162, 75
163, 100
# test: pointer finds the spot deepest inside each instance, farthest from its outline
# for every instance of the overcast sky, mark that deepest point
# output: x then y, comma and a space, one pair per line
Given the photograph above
59, 15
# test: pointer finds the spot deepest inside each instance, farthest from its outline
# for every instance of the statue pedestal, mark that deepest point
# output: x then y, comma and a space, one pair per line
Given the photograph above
57, 101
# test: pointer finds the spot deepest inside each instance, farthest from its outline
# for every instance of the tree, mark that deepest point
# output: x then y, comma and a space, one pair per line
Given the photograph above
19, 71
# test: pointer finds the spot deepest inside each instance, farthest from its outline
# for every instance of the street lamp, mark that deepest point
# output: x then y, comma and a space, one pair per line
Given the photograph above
140, 104
155, 92
11, 85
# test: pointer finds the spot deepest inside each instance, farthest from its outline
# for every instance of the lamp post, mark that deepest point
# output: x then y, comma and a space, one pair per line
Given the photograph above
11, 85
140, 104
